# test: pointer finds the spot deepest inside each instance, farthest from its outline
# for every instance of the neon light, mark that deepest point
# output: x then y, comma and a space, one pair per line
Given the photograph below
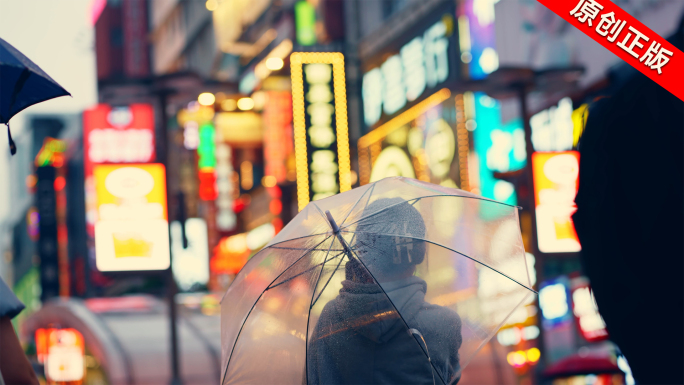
51, 154
500, 148
553, 128
305, 23
553, 301
207, 147
336, 60
63, 353
556, 176
131, 232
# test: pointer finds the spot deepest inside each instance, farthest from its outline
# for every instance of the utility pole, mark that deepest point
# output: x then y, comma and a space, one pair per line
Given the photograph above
171, 287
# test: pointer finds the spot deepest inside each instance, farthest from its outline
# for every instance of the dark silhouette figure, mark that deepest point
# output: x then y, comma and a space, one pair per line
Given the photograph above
630, 221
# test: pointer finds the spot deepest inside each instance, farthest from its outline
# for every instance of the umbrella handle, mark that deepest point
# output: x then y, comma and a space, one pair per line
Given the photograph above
333, 224
336, 231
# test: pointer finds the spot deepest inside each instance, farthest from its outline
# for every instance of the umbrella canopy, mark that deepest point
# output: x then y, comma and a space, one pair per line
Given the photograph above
399, 281
22, 84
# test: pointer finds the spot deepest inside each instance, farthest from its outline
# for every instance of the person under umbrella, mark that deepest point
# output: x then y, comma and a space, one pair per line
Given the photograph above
399, 281
22, 84
359, 338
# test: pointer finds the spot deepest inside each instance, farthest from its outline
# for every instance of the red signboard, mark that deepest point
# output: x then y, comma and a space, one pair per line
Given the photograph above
115, 135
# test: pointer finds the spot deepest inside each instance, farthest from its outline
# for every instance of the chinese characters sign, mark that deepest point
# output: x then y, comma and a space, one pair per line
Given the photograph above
320, 124
408, 72
626, 37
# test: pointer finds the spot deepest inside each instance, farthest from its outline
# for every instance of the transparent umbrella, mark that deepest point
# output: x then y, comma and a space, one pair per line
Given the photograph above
399, 281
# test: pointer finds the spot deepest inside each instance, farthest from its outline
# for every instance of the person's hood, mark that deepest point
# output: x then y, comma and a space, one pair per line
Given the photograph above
366, 309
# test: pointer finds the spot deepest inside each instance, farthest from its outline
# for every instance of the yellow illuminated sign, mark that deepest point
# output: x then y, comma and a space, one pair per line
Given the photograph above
131, 231
313, 113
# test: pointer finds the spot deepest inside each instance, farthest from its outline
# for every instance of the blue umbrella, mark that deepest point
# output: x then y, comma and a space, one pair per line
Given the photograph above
22, 84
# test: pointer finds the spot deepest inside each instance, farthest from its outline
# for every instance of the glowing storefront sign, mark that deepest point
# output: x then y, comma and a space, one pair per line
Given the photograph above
499, 148
278, 144
553, 300
477, 37
131, 232
190, 119
427, 142
232, 252
206, 153
585, 309
51, 154
411, 71
190, 264
553, 128
305, 22
62, 351
119, 134
115, 135
320, 125
556, 176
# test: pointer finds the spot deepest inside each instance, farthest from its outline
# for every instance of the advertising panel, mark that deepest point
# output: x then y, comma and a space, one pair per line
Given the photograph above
428, 142
319, 105
191, 263
131, 232
62, 351
556, 177
115, 135
410, 68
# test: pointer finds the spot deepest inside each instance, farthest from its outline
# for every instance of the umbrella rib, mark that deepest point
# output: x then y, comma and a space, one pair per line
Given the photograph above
497, 328
294, 239
334, 271
398, 313
326, 283
308, 318
481, 198
321, 212
370, 193
449, 248
237, 338
423, 197
305, 271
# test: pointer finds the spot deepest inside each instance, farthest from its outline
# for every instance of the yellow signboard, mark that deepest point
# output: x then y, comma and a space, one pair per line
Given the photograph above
131, 231
321, 134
